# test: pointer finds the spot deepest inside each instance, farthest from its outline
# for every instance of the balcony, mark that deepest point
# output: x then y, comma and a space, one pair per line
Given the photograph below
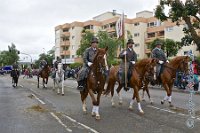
65, 43
65, 34
110, 30
65, 52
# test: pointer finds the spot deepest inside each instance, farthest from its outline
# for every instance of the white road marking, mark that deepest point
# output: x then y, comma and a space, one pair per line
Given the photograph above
21, 86
169, 111
38, 99
166, 110
59, 120
89, 128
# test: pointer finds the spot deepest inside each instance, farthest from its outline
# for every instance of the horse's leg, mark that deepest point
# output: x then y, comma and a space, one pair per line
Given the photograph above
83, 99
168, 93
38, 81
132, 101
97, 106
43, 82
63, 85
54, 83
46, 81
147, 90
138, 99
118, 93
112, 88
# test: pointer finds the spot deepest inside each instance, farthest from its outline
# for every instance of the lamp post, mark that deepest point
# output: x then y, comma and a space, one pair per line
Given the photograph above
28, 55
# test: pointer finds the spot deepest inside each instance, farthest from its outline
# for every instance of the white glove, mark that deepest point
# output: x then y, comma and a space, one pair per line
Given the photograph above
89, 63
167, 61
133, 62
160, 62
125, 52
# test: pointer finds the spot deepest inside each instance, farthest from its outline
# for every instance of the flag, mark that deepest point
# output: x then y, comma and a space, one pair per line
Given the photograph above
120, 26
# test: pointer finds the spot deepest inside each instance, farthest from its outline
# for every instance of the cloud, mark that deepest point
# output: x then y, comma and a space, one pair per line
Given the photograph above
30, 24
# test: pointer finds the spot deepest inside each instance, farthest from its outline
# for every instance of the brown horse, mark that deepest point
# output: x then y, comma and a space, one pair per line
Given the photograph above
142, 70
44, 74
95, 81
169, 73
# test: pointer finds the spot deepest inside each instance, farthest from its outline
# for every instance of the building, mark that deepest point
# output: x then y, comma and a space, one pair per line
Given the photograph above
143, 29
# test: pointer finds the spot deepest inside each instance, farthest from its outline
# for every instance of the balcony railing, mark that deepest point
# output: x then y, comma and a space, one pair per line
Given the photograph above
64, 34
65, 43
65, 52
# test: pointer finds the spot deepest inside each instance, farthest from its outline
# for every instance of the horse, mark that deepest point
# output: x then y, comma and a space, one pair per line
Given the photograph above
44, 74
59, 78
95, 81
142, 70
168, 74
15, 76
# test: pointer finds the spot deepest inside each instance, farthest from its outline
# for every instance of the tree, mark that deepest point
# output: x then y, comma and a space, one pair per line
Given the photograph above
104, 40
10, 56
49, 57
188, 11
169, 46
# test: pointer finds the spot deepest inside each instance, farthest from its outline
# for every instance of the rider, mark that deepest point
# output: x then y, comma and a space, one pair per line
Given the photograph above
159, 54
131, 58
43, 63
15, 66
87, 62
55, 66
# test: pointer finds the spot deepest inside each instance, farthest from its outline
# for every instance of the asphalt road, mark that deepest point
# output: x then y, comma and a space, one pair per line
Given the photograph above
62, 114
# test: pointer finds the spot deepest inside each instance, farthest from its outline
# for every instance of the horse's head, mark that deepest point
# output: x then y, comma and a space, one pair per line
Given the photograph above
100, 59
60, 66
150, 68
181, 63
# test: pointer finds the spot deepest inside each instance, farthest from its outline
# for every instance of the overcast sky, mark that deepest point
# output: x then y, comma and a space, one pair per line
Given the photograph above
29, 24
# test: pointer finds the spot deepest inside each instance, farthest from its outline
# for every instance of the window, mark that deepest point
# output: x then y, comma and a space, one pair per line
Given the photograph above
169, 29
73, 37
136, 34
73, 56
136, 24
152, 24
137, 45
72, 27
73, 47
65, 30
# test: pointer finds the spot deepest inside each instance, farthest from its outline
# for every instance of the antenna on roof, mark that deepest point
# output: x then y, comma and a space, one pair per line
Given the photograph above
114, 12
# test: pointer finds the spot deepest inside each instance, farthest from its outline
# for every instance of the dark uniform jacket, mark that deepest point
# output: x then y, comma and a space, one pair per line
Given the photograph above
159, 54
130, 56
88, 56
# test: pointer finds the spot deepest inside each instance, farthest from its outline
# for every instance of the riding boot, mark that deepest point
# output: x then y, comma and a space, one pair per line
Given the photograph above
81, 85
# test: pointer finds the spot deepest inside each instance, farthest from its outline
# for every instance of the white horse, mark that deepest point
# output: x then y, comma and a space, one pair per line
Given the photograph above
59, 79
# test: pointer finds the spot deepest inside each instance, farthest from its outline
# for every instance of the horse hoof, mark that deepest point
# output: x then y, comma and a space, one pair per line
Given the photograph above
130, 108
171, 105
120, 103
93, 114
141, 112
143, 99
162, 102
151, 103
84, 112
97, 117
63, 94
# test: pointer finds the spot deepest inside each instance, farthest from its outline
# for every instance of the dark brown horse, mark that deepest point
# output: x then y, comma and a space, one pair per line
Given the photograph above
44, 74
142, 70
95, 81
169, 73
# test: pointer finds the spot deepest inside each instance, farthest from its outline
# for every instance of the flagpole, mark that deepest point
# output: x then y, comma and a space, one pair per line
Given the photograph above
125, 45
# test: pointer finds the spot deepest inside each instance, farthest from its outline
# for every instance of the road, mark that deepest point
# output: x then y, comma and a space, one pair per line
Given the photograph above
29, 109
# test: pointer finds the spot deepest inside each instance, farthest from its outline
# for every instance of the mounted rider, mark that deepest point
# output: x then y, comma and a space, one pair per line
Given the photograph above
88, 57
159, 54
42, 64
55, 66
131, 58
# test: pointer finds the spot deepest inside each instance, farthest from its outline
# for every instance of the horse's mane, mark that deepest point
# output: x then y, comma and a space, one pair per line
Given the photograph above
177, 59
99, 51
143, 62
